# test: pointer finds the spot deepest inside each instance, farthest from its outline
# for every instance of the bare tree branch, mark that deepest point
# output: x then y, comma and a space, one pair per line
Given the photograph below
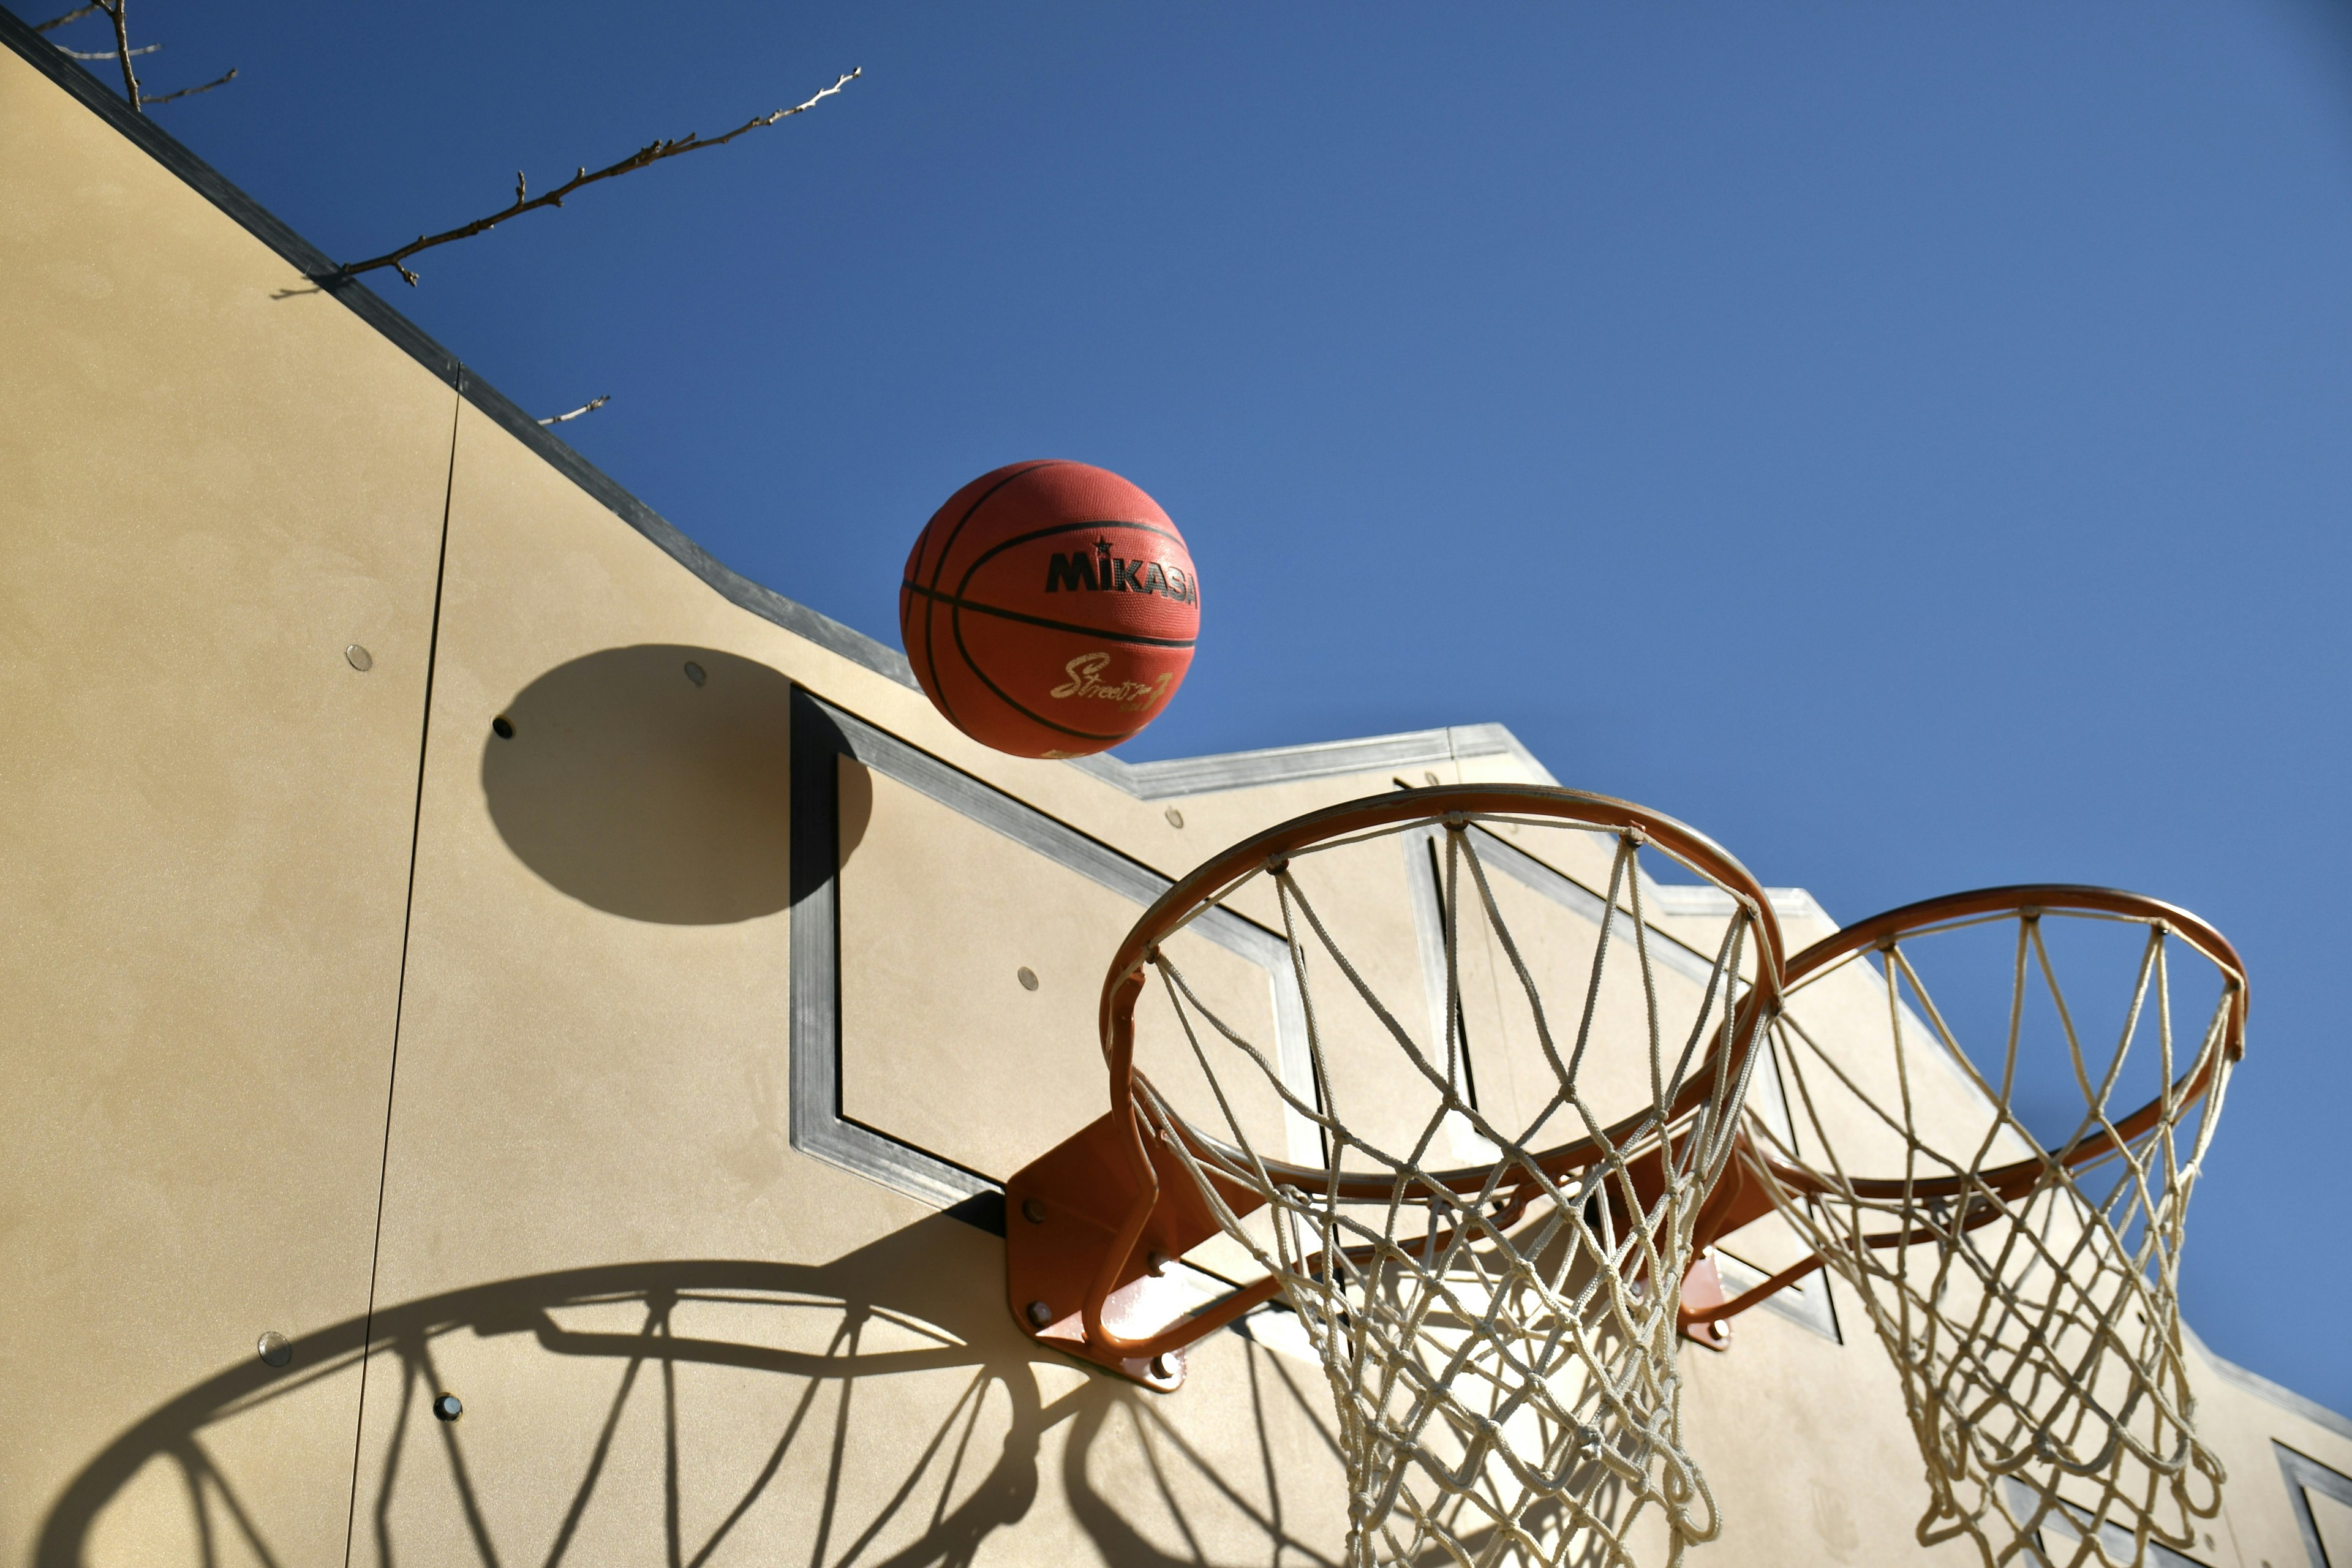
192, 91
105, 54
124, 52
652, 152
589, 408
114, 9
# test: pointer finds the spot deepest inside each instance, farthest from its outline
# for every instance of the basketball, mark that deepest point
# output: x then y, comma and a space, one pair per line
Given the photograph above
1049, 609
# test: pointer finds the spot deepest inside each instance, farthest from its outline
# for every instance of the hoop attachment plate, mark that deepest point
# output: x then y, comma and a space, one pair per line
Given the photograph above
1739, 1199
1063, 1215
1703, 1292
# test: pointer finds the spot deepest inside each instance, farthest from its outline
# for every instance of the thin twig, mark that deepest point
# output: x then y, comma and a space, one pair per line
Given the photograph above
652, 152
114, 10
105, 54
192, 91
589, 408
124, 52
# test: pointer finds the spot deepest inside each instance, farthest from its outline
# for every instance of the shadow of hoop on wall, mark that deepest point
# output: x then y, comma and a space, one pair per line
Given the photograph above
652, 782
872, 1410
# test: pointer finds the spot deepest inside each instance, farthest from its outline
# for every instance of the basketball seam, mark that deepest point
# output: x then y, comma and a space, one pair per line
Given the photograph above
930, 643
957, 605
955, 620
932, 598
953, 602
1007, 698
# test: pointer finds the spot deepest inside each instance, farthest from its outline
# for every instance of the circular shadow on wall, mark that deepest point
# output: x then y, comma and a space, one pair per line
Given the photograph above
653, 782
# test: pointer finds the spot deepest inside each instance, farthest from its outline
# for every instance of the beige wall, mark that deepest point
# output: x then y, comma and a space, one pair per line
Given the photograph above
212, 480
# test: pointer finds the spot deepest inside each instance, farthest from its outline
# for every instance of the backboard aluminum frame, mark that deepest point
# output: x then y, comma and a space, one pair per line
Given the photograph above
822, 733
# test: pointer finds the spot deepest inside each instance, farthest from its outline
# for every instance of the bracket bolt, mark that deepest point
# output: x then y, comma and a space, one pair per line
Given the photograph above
1033, 1211
1155, 1262
1040, 1315
274, 1349
446, 1408
1165, 1367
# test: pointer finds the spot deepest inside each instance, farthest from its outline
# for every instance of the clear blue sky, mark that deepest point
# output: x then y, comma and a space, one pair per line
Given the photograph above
1908, 442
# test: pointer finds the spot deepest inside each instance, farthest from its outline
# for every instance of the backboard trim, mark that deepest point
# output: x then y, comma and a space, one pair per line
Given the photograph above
2304, 1474
822, 734
1175, 776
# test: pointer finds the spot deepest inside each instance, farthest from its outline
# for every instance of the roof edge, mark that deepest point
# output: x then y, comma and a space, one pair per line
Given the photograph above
1321, 759
2263, 1388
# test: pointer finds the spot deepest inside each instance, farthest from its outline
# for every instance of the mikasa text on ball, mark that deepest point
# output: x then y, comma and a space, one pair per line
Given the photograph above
1049, 609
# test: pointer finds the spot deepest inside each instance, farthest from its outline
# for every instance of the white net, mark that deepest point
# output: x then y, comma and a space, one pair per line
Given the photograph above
1500, 1338
1965, 1159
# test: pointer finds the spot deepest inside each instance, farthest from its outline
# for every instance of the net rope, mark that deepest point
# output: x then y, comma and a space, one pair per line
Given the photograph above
2028, 1295
1500, 1355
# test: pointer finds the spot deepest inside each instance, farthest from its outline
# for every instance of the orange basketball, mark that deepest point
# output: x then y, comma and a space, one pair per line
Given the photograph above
1049, 609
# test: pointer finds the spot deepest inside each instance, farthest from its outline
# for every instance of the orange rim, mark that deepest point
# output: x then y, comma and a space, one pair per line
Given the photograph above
1218, 877
2020, 1176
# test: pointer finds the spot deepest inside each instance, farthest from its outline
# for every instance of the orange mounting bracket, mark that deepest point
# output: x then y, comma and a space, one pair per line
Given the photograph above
1740, 1198
1063, 1214
1702, 1294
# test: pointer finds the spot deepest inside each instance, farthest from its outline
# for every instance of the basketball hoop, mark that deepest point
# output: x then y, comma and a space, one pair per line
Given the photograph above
2024, 1277
1499, 1336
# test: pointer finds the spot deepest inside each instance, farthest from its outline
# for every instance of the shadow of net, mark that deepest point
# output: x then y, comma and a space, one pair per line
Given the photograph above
875, 1410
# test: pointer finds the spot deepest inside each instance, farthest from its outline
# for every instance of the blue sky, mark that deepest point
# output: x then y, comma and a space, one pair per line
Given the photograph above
1907, 442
